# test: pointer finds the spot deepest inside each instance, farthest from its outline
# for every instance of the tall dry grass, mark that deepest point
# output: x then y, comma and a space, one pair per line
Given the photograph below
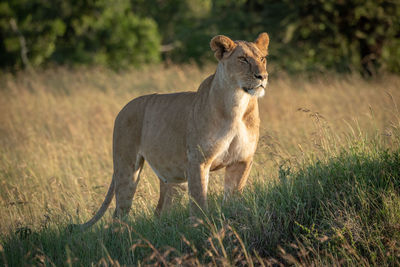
56, 132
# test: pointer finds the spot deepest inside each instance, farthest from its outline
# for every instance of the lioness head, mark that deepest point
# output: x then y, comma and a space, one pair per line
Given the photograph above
243, 62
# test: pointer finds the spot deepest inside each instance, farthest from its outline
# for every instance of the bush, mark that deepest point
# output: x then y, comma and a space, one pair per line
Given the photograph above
28, 30
318, 35
311, 35
98, 32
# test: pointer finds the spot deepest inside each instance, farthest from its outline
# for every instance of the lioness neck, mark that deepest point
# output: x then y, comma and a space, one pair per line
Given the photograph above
226, 96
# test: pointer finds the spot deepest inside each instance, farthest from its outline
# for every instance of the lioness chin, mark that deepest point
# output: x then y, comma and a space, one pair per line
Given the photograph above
184, 136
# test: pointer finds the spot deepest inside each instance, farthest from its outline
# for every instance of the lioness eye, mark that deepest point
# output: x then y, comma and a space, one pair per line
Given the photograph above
243, 59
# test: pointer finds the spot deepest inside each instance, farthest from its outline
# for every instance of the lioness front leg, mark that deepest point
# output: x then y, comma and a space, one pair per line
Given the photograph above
197, 184
236, 177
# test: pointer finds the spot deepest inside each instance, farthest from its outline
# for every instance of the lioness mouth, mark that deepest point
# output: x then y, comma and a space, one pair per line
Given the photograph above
247, 89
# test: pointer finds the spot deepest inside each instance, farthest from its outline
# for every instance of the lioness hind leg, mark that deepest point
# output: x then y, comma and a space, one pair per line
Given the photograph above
126, 181
169, 193
236, 177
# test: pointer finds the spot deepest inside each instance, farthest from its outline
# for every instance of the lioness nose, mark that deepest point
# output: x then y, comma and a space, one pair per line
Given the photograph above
261, 76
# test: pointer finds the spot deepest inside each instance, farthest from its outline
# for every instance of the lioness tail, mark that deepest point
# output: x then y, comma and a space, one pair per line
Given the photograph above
103, 208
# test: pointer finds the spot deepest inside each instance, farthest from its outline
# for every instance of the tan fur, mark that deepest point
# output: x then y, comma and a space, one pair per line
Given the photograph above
184, 136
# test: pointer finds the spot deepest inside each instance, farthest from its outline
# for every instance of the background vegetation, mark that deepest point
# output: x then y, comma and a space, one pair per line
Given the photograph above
324, 187
307, 35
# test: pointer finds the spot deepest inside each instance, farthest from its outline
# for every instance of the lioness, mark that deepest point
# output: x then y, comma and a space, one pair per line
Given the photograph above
184, 136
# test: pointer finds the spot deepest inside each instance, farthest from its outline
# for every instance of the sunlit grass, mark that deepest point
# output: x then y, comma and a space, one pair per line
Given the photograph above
56, 166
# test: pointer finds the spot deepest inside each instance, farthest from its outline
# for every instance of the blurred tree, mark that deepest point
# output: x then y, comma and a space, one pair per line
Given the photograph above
319, 35
107, 33
28, 32
309, 35
181, 24
340, 35
86, 32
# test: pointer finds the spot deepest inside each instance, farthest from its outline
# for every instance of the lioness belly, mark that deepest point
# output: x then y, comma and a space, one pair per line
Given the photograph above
169, 174
169, 163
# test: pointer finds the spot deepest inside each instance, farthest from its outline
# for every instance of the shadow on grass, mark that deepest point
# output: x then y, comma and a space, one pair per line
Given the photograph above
344, 210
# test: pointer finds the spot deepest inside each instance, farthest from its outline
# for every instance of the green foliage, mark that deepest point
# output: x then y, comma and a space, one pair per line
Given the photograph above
31, 24
184, 25
341, 34
86, 32
114, 37
319, 35
306, 35
311, 35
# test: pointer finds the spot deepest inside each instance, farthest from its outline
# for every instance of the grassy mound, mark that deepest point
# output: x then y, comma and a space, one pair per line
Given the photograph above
341, 210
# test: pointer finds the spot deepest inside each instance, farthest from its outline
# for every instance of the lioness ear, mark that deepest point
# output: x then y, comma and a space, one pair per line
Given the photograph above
221, 45
262, 42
